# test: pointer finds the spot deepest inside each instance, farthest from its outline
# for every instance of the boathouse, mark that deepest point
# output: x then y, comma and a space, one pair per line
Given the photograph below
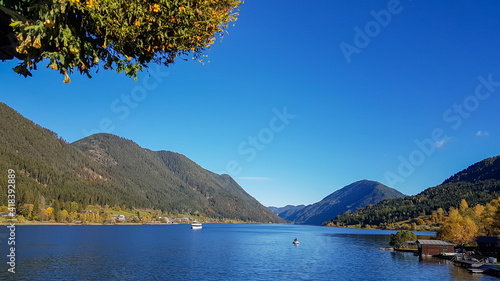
434, 247
488, 245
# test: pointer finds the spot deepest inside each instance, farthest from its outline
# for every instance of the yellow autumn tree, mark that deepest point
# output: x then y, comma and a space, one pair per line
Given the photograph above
73, 216
63, 216
49, 211
458, 229
478, 210
145, 218
27, 210
42, 216
495, 220
488, 218
106, 217
463, 205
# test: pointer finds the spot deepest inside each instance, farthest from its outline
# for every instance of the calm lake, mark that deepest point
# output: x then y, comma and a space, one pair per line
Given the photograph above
216, 252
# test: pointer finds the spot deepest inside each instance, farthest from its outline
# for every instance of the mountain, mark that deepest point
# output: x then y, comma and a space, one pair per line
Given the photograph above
288, 211
477, 184
109, 170
349, 198
171, 180
47, 167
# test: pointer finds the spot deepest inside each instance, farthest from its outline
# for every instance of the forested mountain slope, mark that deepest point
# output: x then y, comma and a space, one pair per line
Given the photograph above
108, 170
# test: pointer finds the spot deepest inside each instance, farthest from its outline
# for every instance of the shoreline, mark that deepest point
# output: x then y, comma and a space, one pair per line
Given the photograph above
92, 223
107, 224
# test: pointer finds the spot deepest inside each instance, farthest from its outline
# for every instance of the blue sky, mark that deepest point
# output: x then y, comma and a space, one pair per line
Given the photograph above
301, 99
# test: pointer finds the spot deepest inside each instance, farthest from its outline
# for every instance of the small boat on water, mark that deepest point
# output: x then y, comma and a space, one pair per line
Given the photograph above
295, 242
196, 225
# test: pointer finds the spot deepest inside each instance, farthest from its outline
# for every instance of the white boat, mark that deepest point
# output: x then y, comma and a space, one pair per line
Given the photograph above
196, 225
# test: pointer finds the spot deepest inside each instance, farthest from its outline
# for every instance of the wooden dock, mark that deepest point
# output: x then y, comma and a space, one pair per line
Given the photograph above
474, 266
407, 250
489, 269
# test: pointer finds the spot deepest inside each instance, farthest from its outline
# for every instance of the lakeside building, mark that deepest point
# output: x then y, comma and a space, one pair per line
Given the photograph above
119, 218
488, 245
434, 247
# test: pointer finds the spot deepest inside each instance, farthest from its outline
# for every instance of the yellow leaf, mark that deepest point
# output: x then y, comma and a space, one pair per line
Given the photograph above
66, 78
16, 23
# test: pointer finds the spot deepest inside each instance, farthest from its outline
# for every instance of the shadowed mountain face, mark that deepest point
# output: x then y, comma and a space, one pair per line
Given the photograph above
288, 211
351, 197
108, 170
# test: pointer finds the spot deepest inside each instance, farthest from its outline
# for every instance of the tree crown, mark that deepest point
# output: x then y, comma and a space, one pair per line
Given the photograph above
123, 34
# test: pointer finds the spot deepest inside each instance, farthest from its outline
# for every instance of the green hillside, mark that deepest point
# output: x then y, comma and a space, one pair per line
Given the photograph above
108, 170
218, 190
170, 181
49, 168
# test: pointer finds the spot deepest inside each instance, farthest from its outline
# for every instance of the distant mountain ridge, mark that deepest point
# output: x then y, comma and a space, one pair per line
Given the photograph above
349, 198
477, 184
287, 211
109, 170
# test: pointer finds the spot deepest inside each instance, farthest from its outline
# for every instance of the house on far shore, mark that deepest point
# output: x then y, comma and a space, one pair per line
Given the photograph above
434, 247
488, 245
119, 218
